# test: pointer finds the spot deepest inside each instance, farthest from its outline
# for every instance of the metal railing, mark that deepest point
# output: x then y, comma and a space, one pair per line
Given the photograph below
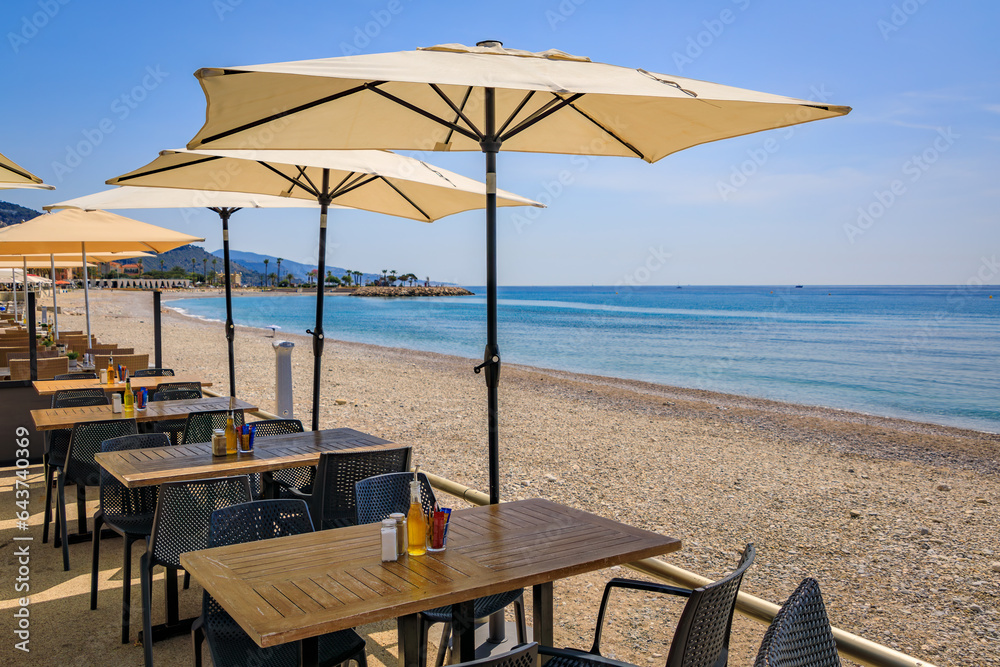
850, 646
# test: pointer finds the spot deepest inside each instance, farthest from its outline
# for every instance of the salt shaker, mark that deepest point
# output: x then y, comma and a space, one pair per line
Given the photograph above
116, 403
388, 540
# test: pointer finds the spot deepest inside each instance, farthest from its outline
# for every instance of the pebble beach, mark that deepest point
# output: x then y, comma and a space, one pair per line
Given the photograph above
897, 520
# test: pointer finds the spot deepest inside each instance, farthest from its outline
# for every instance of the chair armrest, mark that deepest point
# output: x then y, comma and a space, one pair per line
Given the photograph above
636, 585
569, 657
294, 491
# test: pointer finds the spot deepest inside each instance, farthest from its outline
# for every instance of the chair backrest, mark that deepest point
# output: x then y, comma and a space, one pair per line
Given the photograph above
80, 375
332, 503
78, 398
7, 349
258, 520
132, 362
524, 655
702, 635
39, 354
378, 497
85, 441
108, 350
153, 372
176, 394
199, 425
117, 500
183, 513
169, 386
269, 427
20, 369
800, 633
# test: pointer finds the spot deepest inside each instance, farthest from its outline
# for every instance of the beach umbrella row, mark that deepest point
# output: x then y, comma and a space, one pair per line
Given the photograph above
482, 98
377, 181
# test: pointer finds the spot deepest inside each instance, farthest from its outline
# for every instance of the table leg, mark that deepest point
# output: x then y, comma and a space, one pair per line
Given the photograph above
463, 631
309, 652
408, 640
541, 608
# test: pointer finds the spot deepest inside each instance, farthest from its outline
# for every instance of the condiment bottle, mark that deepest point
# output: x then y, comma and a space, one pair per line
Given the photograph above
400, 520
230, 435
111, 369
218, 442
388, 540
128, 398
416, 524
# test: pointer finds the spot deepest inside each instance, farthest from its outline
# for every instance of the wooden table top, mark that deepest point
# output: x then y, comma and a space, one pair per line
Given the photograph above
291, 588
49, 387
146, 467
53, 418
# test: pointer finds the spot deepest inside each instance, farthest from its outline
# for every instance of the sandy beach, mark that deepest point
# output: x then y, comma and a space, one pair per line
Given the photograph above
897, 520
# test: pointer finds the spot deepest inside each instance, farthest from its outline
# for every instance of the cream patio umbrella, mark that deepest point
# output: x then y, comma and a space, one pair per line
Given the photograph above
83, 232
377, 181
223, 203
14, 176
456, 97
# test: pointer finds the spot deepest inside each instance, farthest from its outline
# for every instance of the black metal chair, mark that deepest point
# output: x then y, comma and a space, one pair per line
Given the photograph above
228, 644
162, 386
57, 442
800, 633
128, 512
179, 391
82, 470
702, 635
80, 375
524, 655
277, 483
378, 497
332, 502
180, 524
198, 426
153, 372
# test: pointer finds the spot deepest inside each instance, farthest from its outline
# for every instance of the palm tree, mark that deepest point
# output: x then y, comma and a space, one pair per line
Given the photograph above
357, 277
384, 271
204, 268
215, 269
161, 264
194, 269
266, 262
347, 278
273, 277
392, 277
278, 270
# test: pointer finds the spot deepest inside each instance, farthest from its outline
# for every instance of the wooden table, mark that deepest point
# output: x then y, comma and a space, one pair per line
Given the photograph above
300, 587
48, 387
55, 418
146, 467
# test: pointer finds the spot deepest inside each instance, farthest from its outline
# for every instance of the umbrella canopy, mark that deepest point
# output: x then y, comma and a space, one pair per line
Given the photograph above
13, 274
75, 230
10, 263
435, 98
455, 97
14, 176
376, 181
224, 203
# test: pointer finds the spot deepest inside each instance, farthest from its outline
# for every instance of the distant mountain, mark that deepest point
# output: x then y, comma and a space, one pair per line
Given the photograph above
255, 261
182, 257
13, 214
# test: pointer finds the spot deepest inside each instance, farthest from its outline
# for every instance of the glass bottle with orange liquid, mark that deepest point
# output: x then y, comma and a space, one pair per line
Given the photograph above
416, 523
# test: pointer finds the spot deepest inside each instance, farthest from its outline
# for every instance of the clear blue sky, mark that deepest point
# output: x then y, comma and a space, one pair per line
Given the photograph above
922, 76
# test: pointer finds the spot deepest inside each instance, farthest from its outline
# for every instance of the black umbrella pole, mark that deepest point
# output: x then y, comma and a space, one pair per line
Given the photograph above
491, 356
157, 331
317, 333
230, 326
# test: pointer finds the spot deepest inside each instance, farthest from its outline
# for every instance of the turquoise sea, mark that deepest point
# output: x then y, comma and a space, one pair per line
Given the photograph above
924, 353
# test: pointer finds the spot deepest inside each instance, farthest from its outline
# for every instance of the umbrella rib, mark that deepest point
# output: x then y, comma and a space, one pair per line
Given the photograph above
407, 199
458, 111
22, 174
293, 181
427, 114
360, 182
543, 113
289, 112
465, 100
303, 174
609, 132
516, 111
129, 177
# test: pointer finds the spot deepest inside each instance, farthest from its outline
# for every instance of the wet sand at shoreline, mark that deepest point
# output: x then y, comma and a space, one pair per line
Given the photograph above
896, 519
